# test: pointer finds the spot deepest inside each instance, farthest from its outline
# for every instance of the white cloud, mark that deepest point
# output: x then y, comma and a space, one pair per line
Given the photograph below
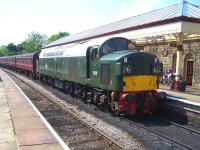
135, 8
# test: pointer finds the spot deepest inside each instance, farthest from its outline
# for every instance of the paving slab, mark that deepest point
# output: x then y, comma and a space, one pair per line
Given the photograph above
6, 124
16, 100
13, 96
35, 137
7, 135
4, 109
28, 123
4, 116
24, 112
42, 147
2, 95
3, 98
8, 89
8, 146
19, 105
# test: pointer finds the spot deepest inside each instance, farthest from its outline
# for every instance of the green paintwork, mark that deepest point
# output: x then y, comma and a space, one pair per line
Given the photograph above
73, 69
116, 55
65, 68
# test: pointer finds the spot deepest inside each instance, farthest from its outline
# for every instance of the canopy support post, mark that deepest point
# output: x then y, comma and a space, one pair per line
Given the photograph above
179, 47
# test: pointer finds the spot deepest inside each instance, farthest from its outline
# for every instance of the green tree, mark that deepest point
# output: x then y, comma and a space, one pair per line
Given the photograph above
12, 49
57, 36
33, 43
4, 51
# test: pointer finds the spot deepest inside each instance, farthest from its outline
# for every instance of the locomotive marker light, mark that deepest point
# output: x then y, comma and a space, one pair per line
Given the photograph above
125, 59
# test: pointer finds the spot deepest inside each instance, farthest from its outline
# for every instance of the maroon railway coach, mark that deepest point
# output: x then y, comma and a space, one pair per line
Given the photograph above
9, 62
27, 63
3, 61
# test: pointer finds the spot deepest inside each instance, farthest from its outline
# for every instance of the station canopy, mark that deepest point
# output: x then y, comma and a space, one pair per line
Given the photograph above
182, 17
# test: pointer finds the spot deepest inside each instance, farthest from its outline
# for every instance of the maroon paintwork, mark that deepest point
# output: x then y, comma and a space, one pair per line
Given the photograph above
27, 62
3, 61
24, 62
8, 61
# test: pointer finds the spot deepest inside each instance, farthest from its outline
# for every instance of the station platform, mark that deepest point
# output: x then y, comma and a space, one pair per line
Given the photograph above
191, 94
21, 125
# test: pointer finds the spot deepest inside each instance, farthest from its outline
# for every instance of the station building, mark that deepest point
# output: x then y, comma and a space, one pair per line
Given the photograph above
172, 33
166, 50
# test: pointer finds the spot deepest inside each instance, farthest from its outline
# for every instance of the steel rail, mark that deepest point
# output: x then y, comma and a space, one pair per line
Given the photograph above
178, 125
158, 134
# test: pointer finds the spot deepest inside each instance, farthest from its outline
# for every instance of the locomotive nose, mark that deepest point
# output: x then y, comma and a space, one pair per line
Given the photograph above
140, 72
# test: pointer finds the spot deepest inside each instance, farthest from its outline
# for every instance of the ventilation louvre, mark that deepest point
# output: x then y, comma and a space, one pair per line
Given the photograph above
105, 73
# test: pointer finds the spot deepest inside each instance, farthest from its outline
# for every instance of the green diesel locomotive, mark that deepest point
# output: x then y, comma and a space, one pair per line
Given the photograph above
111, 73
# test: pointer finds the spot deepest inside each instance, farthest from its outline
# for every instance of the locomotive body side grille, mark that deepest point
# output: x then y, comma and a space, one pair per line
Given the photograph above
105, 74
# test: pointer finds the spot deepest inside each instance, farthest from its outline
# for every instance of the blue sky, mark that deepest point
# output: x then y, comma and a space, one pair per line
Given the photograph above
21, 17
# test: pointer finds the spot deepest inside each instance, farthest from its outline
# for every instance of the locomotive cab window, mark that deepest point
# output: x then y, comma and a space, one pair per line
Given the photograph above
94, 52
115, 44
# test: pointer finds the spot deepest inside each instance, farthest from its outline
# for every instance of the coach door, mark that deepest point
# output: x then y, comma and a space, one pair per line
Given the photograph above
189, 72
189, 69
88, 60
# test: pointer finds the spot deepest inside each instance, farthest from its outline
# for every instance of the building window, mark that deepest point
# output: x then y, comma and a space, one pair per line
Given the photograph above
174, 62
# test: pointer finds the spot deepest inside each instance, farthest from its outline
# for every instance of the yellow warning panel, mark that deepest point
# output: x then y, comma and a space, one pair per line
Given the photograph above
140, 83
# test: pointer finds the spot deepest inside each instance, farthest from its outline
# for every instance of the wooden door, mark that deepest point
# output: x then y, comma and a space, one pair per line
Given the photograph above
189, 74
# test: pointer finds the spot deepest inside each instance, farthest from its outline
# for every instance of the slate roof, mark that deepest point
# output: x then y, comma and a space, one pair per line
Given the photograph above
183, 11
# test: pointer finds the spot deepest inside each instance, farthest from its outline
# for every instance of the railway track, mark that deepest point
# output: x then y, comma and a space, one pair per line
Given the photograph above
181, 126
185, 113
180, 136
75, 132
